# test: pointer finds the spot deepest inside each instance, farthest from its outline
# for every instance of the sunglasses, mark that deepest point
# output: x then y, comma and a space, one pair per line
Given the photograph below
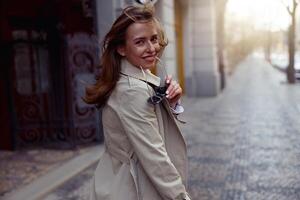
160, 94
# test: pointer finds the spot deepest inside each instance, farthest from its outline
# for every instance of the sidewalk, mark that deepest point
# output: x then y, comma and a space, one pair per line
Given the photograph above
242, 144
30, 174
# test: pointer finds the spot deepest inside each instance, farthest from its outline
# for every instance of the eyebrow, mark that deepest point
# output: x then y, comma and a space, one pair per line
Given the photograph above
139, 38
142, 38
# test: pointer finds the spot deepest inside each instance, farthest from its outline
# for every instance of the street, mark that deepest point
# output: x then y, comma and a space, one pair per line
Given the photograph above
242, 144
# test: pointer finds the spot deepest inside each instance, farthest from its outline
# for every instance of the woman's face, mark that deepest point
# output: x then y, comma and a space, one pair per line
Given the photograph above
141, 45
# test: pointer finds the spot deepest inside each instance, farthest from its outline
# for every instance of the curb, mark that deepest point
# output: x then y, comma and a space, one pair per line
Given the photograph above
42, 186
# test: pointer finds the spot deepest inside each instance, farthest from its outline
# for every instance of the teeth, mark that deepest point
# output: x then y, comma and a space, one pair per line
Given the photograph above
146, 1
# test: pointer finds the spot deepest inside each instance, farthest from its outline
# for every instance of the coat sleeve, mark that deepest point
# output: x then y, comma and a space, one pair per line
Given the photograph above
141, 126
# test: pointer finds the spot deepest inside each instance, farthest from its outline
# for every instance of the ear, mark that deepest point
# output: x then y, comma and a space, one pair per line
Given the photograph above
121, 50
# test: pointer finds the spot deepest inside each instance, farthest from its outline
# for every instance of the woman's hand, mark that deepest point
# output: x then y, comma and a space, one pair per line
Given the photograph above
173, 92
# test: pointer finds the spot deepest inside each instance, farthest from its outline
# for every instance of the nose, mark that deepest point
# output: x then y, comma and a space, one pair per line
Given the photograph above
150, 46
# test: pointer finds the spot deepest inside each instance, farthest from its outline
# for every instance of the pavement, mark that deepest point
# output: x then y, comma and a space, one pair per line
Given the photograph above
33, 173
19, 168
242, 144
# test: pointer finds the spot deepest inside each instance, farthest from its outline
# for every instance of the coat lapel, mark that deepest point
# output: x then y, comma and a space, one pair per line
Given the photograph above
166, 106
174, 140
135, 72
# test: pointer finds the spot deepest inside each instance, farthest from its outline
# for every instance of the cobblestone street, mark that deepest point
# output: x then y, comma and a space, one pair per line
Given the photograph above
242, 145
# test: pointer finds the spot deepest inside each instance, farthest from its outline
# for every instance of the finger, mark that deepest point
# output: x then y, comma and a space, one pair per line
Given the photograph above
174, 89
168, 79
177, 93
176, 98
170, 88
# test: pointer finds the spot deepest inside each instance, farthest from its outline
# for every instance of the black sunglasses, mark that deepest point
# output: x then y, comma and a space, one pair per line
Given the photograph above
160, 94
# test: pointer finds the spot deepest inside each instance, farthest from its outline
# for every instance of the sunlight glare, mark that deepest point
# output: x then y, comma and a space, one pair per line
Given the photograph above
265, 14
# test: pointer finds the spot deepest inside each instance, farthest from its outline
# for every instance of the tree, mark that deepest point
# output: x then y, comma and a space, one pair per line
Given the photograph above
221, 7
291, 8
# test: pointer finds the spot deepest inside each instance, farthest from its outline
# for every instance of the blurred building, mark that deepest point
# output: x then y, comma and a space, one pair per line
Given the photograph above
50, 51
191, 55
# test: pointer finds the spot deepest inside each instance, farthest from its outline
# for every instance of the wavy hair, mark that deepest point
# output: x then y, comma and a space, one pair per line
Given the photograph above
110, 62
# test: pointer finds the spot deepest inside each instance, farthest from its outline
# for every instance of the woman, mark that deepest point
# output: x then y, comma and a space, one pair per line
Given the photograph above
145, 156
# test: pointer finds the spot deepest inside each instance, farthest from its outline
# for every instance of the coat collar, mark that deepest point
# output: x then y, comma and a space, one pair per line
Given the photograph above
135, 72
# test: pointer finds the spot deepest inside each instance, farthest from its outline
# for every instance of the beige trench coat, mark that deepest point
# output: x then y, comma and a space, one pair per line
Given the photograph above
145, 156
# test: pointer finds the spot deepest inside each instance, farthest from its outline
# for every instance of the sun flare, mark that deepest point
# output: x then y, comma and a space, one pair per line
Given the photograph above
264, 14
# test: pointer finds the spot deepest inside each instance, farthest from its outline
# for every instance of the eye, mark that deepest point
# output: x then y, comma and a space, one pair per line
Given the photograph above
139, 42
154, 39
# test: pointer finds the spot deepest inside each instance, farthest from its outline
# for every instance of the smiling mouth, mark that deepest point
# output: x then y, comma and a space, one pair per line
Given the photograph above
150, 58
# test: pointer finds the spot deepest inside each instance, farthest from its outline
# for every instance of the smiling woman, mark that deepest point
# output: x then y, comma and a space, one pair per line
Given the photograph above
264, 14
145, 156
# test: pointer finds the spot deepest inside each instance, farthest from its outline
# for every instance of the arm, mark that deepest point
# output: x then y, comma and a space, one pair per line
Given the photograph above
140, 123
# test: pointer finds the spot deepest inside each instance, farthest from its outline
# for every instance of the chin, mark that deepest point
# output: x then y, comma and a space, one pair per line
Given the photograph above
149, 65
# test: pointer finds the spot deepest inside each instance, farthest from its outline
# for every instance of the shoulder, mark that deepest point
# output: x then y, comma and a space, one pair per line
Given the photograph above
131, 82
133, 88
132, 95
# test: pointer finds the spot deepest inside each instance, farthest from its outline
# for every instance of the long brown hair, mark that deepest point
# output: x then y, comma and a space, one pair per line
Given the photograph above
111, 60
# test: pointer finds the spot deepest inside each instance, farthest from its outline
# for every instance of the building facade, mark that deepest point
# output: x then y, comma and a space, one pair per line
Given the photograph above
191, 55
50, 52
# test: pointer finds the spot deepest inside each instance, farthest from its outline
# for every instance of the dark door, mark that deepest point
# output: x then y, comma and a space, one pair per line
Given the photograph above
31, 85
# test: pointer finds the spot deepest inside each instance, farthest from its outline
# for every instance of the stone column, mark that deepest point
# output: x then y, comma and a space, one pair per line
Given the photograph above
202, 77
105, 15
165, 12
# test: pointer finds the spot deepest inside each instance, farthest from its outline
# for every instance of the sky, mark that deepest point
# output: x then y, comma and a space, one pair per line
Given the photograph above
265, 14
